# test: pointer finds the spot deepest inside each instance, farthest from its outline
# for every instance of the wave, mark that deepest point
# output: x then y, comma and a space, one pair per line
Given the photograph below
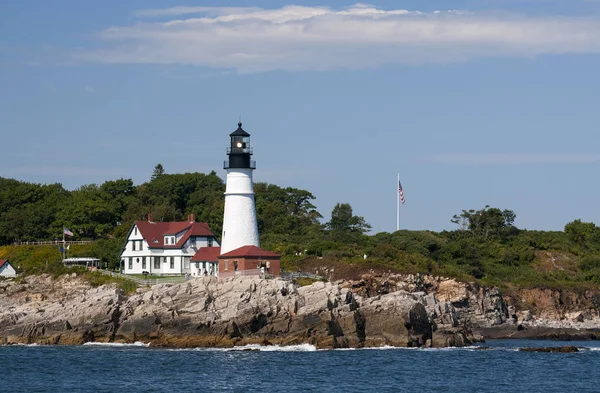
255, 347
135, 344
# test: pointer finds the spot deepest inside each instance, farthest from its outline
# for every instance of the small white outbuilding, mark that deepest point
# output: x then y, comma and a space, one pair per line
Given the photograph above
6, 269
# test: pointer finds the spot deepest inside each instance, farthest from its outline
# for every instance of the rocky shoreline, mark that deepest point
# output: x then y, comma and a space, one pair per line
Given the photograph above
397, 310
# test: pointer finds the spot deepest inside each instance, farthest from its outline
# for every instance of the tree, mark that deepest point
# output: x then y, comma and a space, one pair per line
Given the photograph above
285, 210
487, 222
343, 220
158, 172
581, 232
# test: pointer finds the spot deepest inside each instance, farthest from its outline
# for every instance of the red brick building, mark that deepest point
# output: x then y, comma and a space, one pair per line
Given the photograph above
249, 260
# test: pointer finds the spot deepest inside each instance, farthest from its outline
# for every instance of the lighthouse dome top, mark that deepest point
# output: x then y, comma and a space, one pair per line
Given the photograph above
240, 131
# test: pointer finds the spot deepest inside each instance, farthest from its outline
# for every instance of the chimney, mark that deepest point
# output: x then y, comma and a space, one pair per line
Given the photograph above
191, 217
149, 217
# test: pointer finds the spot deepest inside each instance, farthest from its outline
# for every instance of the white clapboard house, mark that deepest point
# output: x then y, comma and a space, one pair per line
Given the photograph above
167, 247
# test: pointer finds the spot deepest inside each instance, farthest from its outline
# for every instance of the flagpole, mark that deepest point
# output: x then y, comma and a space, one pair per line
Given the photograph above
398, 204
64, 248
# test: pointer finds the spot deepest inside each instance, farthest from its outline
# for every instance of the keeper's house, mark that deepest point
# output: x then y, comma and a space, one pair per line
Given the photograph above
168, 247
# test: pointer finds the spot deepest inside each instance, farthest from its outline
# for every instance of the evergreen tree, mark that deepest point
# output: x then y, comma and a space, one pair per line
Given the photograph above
158, 172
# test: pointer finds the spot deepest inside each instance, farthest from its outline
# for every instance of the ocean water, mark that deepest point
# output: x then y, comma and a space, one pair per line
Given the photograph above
140, 368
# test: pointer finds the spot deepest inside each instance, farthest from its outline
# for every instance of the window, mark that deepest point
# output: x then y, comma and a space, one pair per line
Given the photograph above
225, 264
135, 231
166, 240
130, 263
137, 260
235, 265
186, 262
210, 242
172, 264
156, 263
136, 245
143, 262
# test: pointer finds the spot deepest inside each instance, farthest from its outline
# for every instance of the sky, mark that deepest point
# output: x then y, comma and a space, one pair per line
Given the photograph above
473, 103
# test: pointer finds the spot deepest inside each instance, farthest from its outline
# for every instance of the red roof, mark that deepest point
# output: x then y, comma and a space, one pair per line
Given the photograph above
209, 254
248, 252
3, 261
154, 232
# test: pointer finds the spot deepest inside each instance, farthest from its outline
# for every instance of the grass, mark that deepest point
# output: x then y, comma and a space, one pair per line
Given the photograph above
30, 260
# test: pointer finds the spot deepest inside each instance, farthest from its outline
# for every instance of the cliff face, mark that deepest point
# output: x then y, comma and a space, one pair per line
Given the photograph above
406, 310
540, 313
213, 312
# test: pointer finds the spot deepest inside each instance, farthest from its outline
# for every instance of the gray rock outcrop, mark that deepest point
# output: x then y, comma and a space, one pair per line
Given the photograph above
225, 312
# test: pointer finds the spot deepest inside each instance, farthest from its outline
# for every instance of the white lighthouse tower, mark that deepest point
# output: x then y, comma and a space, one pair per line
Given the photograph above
239, 220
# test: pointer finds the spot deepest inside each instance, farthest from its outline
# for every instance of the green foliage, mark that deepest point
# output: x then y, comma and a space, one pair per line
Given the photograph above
344, 221
487, 222
285, 210
486, 247
157, 172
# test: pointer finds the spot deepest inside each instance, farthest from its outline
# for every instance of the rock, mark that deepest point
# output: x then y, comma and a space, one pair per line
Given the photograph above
226, 312
452, 292
399, 310
575, 317
550, 349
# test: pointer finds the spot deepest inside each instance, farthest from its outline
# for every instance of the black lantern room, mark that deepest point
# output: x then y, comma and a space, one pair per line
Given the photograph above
239, 150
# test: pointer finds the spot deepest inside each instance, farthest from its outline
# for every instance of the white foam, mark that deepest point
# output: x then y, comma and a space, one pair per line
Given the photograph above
275, 348
135, 344
255, 347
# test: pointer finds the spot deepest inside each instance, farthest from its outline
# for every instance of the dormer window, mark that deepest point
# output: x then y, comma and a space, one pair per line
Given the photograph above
169, 240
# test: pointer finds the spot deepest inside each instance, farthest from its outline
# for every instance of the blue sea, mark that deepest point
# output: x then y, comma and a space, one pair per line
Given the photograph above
139, 368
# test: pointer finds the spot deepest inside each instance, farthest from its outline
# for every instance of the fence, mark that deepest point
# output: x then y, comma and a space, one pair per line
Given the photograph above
146, 281
53, 243
289, 276
241, 273
153, 280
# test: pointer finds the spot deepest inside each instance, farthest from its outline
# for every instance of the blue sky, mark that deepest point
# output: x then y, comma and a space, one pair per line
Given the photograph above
473, 102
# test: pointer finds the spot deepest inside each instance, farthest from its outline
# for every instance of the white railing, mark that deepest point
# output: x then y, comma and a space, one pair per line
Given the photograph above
53, 242
289, 276
238, 273
151, 280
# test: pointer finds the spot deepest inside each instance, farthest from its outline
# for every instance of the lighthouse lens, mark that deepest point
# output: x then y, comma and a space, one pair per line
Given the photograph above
239, 144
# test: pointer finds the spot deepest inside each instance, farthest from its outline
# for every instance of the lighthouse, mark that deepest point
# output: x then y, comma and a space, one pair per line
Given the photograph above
239, 219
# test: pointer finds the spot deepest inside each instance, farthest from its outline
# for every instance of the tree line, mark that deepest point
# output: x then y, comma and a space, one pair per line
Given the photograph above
485, 245
34, 212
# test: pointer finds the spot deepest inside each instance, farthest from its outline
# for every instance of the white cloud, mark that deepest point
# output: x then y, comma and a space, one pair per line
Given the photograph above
320, 38
499, 159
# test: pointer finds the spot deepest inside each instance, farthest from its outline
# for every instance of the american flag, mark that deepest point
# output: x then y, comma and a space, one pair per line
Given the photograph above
400, 191
67, 232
